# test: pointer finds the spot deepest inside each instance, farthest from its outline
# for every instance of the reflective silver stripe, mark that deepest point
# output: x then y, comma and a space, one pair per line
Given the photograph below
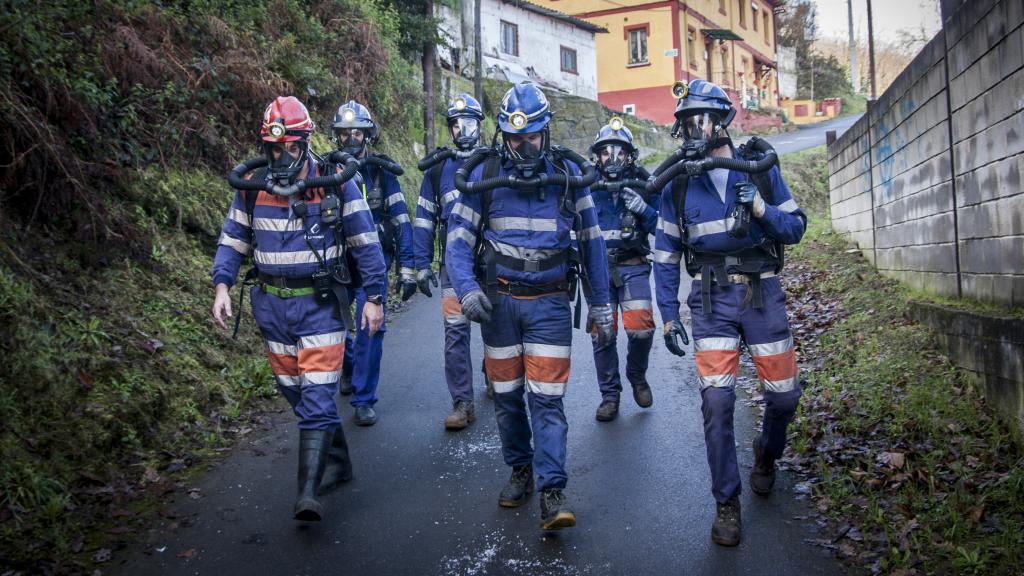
670, 228
506, 387
321, 378
739, 278
450, 196
448, 293
780, 385
640, 334
546, 388
407, 271
289, 381
401, 219
282, 349
584, 203
589, 233
455, 320
546, 350
611, 234
321, 340
467, 236
524, 253
788, 206
277, 224
395, 199
468, 213
238, 216
716, 344
666, 257
353, 206
718, 381
362, 239
636, 305
771, 348
503, 352
239, 246
299, 257
712, 227
427, 205
423, 223
529, 224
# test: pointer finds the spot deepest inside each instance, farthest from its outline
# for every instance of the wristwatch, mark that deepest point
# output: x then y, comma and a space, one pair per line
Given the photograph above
375, 299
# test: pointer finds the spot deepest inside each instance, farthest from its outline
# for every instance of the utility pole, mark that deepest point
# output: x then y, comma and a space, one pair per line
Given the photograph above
871, 52
854, 77
478, 55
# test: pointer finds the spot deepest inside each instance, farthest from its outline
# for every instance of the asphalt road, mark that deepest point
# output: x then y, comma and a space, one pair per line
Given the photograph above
424, 501
810, 136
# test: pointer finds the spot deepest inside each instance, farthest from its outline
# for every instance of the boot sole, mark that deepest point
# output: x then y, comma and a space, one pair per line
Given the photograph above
513, 503
458, 425
724, 541
760, 492
561, 520
309, 511
601, 418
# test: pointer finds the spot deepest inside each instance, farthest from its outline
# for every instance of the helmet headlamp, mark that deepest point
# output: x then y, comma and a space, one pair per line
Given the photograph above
517, 119
616, 123
276, 129
460, 104
348, 115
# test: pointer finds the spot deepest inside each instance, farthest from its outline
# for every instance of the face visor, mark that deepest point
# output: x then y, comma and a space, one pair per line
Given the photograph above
703, 126
285, 159
350, 140
526, 151
612, 159
465, 132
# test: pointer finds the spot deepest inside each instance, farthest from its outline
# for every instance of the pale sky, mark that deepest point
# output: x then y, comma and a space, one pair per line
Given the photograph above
892, 18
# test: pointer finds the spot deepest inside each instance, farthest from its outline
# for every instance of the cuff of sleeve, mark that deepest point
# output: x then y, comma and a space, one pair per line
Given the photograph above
374, 289
223, 279
669, 314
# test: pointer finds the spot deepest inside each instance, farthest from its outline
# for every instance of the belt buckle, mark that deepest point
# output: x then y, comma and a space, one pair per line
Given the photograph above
531, 265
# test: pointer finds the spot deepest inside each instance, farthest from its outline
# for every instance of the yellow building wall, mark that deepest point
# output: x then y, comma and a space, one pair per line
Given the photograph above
613, 69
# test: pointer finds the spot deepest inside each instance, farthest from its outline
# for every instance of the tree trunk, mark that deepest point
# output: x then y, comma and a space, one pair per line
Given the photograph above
478, 55
429, 104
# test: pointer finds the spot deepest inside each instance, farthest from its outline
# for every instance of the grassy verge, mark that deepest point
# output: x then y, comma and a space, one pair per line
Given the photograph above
910, 471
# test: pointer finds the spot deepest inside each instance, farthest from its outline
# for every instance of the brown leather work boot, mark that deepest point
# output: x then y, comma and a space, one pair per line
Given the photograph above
463, 414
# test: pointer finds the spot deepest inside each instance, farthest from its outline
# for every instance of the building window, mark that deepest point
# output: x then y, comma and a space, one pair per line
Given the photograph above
743, 13
638, 45
691, 46
753, 15
509, 38
767, 34
629, 109
569, 60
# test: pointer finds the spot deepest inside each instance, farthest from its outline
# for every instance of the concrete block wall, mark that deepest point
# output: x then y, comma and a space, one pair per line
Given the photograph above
928, 182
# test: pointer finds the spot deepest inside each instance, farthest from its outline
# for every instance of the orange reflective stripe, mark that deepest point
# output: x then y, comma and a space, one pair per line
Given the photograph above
450, 306
714, 362
776, 366
547, 369
321, 359
504, 369
638, 319
283, 364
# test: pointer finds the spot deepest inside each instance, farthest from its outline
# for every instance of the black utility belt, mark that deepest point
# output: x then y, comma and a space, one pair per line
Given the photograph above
516, 289
737, 278
285, 282
523, 265
626, 259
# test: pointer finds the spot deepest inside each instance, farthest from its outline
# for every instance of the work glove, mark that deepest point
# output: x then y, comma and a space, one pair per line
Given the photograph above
406, 286
634, 202
747, 193
675, 331
600, 317
424, 278
477, 306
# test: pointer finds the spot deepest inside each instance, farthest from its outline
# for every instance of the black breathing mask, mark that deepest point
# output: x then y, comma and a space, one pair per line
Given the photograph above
285, 168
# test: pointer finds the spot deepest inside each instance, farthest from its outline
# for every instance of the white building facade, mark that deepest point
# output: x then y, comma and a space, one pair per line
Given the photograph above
524, 41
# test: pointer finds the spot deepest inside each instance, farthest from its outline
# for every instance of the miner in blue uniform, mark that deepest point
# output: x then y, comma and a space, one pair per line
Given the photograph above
626, 218
437, 197
354, 132
290, 239
522, 300
735, 295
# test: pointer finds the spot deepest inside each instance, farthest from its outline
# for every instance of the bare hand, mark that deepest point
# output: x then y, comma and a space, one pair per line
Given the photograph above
221, 305
373, 316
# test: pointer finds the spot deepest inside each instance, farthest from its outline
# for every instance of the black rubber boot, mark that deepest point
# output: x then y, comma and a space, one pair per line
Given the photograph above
762, 477
642, 395
554, 510
313, 448
728, 524
519, 487
607, 411
365, 415
346, 388
339, 465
